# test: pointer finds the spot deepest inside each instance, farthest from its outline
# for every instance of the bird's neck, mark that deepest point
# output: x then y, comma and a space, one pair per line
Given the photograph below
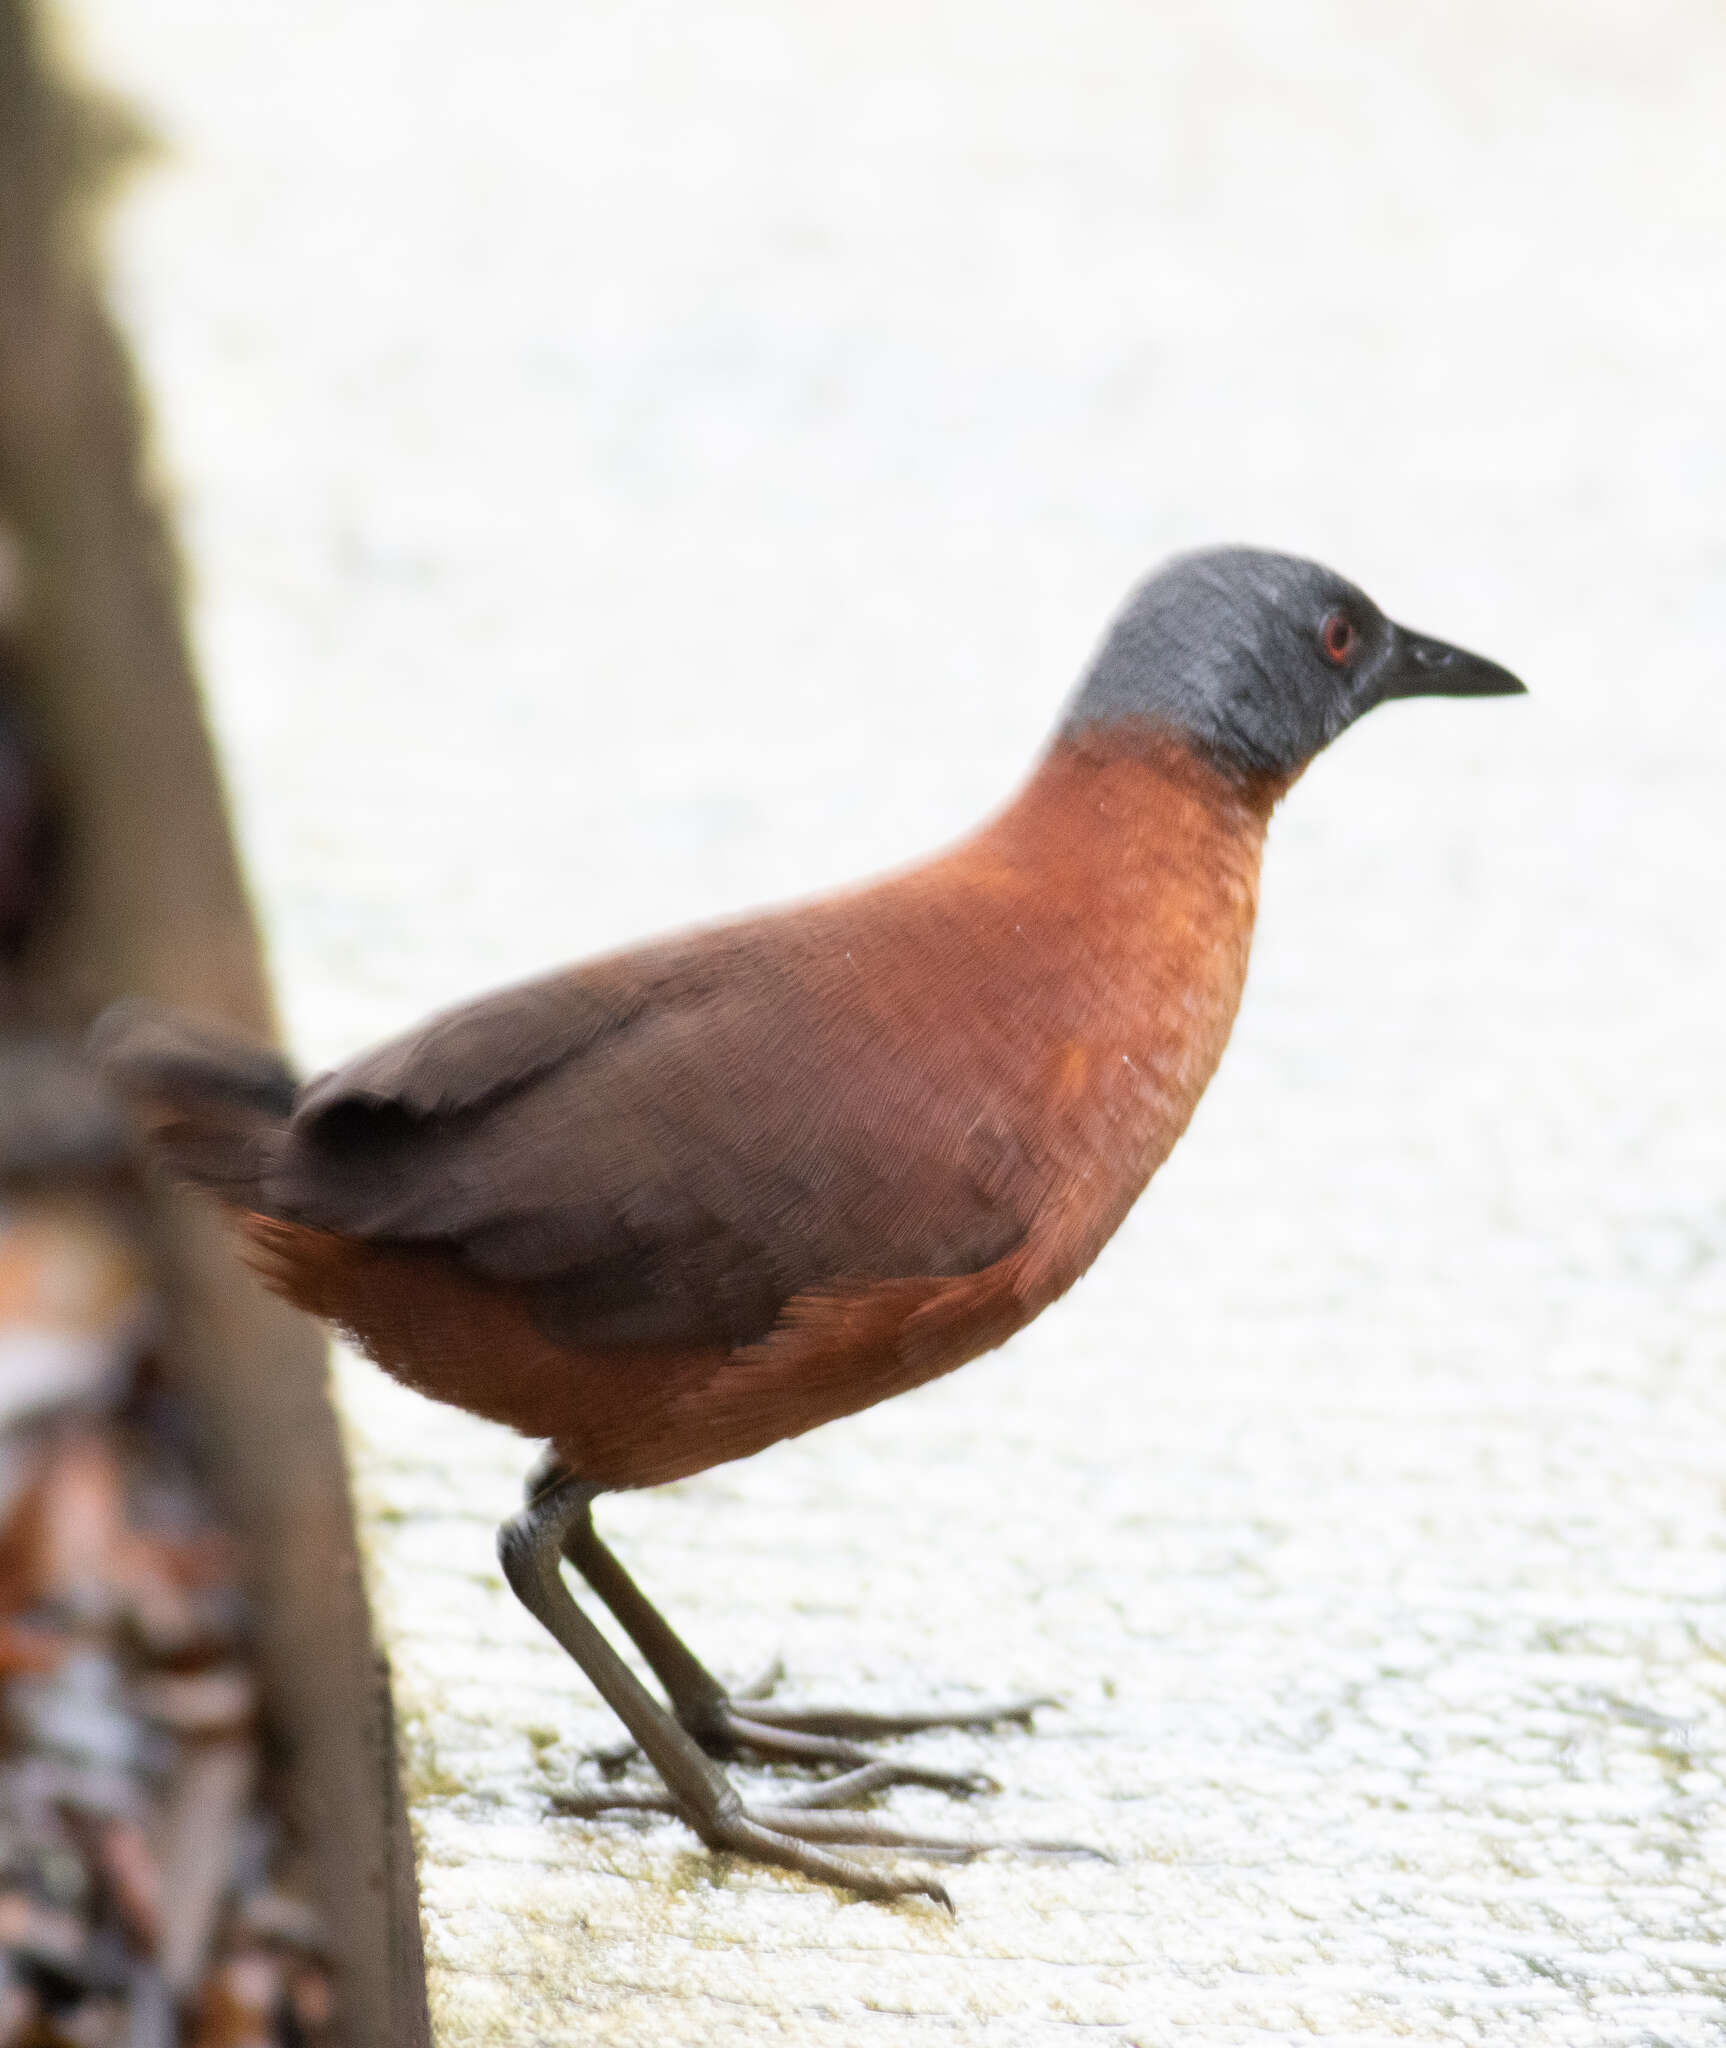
1112, 905
1132, 824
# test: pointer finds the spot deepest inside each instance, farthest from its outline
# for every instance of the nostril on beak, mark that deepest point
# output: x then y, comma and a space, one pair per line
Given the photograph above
1430, 656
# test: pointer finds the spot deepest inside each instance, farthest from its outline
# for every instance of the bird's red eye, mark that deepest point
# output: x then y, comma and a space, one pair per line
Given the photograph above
1337, 637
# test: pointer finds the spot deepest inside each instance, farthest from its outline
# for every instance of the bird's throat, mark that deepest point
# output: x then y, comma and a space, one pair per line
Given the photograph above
1131, 879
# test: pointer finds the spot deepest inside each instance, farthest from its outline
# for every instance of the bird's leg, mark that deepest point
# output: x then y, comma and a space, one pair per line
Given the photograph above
782, 1734
530, 1549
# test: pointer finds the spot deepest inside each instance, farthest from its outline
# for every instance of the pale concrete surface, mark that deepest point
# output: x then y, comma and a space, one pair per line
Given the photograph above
639, 461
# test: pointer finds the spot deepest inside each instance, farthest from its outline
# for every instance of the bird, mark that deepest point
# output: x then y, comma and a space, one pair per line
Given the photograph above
667, 1207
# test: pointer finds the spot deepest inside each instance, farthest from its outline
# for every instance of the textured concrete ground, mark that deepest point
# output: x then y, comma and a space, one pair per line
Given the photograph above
639, 461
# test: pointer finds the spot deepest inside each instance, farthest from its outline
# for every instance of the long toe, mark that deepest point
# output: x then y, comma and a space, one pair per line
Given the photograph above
788, 1836
786, 1745
817, 1736
742, 1834
816, 1816
813, 1823
852, 1723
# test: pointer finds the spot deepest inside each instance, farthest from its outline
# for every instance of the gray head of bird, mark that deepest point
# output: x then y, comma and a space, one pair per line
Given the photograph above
1257, 661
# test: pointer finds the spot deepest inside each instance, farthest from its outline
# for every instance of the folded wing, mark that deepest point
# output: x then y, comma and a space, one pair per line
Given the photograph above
667, 1148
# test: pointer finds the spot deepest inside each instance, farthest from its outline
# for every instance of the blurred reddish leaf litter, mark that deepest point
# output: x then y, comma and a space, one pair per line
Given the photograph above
149, 1895
147, 1891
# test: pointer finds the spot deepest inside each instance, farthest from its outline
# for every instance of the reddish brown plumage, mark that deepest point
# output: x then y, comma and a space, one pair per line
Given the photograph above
669, 1207
1041, 1006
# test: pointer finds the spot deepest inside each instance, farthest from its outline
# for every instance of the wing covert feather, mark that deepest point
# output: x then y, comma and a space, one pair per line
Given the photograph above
659, 1156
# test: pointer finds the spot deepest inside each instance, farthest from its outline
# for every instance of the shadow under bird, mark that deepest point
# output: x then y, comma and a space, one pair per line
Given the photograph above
670, 1206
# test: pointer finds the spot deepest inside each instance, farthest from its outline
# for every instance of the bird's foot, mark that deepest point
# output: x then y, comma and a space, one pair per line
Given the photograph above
794, 1832
747, 1723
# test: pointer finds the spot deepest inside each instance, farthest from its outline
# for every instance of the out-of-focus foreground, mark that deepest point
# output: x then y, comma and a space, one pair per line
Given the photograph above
141, 1847
183, 1717
637, 462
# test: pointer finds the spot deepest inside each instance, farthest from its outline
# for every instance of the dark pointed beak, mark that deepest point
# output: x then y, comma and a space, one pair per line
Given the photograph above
1420, 667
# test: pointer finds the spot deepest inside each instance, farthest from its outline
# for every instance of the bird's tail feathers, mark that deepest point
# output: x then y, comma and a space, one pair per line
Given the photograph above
213, 1106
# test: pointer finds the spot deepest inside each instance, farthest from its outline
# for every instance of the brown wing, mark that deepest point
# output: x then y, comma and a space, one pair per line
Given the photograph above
664, 1149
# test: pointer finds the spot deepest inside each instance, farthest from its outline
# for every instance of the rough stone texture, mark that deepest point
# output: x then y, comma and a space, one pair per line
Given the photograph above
641, 461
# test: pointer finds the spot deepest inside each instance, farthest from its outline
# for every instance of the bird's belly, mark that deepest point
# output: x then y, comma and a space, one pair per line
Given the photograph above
1095, 1121
636, 1418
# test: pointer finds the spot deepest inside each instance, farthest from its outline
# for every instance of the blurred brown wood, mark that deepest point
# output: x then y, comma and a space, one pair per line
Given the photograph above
152, 901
